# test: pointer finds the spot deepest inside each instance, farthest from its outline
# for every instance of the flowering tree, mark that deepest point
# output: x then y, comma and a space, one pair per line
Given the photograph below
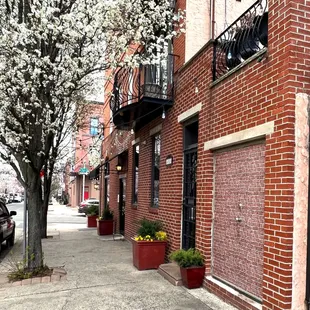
8, 181
50, 52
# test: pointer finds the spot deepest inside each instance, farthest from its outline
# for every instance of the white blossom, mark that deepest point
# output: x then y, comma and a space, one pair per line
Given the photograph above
50, 54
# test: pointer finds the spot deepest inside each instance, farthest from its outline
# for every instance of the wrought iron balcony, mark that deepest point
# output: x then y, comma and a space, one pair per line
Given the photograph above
241, 40
141, 94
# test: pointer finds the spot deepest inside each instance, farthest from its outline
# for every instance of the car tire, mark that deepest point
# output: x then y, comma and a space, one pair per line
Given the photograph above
10, 242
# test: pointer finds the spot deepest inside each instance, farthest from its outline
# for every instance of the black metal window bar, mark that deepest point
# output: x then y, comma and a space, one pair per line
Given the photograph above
241, 40
189, 199
132, 84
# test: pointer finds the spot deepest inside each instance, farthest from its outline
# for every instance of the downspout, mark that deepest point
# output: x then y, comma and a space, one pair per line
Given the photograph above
212, 18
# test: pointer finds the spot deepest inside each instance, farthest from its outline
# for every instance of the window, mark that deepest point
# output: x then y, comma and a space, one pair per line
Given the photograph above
155, 171
94, 123
135, 173
106, 192
111, 121
106, 184
3, 210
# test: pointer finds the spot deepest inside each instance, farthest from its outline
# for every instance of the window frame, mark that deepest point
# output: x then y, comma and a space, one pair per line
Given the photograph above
153, 205
4, 209
94, 127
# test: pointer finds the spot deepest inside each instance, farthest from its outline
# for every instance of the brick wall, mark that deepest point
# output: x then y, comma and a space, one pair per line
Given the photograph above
259, 92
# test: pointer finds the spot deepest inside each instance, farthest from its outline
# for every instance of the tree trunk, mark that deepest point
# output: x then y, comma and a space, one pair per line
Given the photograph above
44, 219
35, 257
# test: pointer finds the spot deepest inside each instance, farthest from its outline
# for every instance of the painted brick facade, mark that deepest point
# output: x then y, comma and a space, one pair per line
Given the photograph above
260, 92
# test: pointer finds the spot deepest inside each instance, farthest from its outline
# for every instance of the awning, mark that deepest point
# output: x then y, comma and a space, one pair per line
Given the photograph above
94, 174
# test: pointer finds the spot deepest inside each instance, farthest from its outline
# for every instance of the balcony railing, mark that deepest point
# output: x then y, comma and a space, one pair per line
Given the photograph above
152, 83
241, 40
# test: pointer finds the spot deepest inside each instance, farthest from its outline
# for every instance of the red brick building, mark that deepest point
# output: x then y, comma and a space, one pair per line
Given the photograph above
86, 154
219, 153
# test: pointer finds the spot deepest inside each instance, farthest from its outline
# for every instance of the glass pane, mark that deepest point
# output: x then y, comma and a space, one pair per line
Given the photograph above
136, 173
156, 171
94, 123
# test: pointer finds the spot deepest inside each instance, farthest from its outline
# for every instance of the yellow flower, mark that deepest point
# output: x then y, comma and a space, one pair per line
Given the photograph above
161, 235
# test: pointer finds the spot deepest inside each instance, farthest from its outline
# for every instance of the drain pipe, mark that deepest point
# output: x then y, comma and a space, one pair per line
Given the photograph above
212, 18
308, 237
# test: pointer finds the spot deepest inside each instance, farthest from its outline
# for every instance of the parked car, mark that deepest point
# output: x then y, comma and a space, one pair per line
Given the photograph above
86, 203
17, 198
7, 225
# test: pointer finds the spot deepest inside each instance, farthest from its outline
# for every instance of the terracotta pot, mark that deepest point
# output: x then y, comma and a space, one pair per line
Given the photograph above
148, 254
92, 220
105, 227
192, 277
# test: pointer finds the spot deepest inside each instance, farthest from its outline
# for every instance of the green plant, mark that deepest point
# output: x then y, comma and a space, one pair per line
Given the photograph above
149, 228
107, 214
187, 258
92, 210
20, 271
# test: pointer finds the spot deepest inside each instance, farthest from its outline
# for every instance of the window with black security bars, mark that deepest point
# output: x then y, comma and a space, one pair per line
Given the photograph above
155, 171
135, 173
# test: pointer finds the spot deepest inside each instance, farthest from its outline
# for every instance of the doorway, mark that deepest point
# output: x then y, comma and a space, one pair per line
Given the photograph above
189, 184
121, 206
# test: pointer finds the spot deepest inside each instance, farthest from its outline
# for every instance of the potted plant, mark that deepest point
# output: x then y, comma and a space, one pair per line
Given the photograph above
92, 214
105, 222
192, 267
149, 247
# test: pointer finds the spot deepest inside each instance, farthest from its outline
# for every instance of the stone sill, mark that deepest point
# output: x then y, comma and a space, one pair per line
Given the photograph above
234, 292
134, 206
153, 210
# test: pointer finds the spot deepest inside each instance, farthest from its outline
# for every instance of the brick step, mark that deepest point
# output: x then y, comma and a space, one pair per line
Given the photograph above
171, 272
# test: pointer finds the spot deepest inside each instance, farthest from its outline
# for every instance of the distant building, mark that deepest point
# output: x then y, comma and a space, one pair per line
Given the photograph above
86, 153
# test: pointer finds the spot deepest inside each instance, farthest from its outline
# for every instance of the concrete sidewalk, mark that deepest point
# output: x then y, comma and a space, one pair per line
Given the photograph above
100, 275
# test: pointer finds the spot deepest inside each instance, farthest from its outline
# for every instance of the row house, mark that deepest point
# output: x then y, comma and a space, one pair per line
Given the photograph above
214, 143
86, 154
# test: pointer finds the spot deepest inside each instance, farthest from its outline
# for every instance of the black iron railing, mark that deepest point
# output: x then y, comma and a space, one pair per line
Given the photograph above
149, 81
241, 40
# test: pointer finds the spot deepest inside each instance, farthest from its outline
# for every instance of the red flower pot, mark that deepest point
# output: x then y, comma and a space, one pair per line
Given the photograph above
105, 227
92, 221
192, 277
148, 254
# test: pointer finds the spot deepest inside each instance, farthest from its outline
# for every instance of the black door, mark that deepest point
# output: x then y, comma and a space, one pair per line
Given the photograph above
122, 201
189, 184
189, 199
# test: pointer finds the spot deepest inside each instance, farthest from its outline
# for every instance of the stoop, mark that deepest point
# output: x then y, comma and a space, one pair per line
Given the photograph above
171, 272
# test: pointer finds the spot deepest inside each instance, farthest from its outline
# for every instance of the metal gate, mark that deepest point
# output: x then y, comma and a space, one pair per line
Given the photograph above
189, 199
